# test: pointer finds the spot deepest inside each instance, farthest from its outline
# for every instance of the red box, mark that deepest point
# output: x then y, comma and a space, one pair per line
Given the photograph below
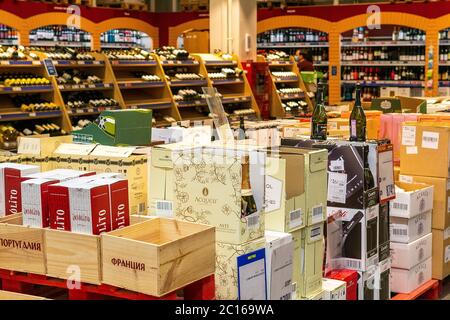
11, 176
350, 277
35, 204
59, 206
119, 203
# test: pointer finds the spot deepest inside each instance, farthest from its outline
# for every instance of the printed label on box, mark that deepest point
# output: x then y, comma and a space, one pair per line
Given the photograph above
399, 231
406, 179
108, 151
317, 214
295, 218
448, 184
447, 233
386, 165
253, 221
163, 208
337, 165
447, 254
29, 146
252, 276
430, 140
409, 136
412, 150
337, 187
274, 187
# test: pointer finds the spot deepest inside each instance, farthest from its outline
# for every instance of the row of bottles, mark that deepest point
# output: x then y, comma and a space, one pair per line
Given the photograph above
7, 33
384, 54
357, 121
367, 94
362, 34
383, 73
10, 132
319, 54
444, 34
444, 54
124, 36
291, 35
444, 74
60, 33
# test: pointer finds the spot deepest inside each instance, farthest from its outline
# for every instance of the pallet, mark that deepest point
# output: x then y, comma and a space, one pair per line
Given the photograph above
28, 283
430, 290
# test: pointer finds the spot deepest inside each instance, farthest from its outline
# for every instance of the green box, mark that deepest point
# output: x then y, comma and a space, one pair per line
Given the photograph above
118, 128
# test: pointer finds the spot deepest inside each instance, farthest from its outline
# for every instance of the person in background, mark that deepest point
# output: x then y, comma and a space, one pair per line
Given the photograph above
304, 60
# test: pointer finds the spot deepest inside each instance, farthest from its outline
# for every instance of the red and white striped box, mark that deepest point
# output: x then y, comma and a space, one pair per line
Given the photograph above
35, 209
11, 176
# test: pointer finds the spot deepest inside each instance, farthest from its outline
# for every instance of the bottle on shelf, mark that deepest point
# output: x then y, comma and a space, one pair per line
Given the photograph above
319, 119
241, 132
357, 118
248, 204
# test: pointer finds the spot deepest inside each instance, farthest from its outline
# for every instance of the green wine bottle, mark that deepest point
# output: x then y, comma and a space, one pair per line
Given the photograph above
248, 204
358, 119
319, 118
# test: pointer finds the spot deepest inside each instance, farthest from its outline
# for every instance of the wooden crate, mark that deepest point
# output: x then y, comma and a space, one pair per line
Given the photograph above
7, 295
21, 248
158, 256
65, 249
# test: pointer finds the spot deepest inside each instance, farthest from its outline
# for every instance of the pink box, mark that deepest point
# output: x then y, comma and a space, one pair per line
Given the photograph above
390, 128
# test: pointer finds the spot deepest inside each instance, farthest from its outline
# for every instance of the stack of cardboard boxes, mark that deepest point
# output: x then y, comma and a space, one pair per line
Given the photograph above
296, 204
360, 176
425, 158
411, 236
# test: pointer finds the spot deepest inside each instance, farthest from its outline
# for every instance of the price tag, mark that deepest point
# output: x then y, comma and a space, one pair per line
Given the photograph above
81, 62
32, 114
92, 86
16, 89
82, 86
386, 174
60, 86
115, 62
75, 86
96, 62
80, 111
274, 189
107, 85
337, 165
90, 110
169, 62
4, 63
337, 187
252, 276
50, 67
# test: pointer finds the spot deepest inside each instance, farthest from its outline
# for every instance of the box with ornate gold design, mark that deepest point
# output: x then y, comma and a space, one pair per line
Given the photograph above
226, 275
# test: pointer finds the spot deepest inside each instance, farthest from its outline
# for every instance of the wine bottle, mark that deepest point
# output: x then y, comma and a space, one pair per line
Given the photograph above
369, 181
248, 204
241, 134
358, 119
319, 118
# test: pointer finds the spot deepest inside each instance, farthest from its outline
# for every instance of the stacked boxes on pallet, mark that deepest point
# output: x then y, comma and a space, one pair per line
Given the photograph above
357, 180
296, 203
411, 236
425, 159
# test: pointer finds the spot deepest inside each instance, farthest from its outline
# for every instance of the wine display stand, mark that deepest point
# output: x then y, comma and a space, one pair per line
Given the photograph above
10, 113
278, 99
236, 93
141, 94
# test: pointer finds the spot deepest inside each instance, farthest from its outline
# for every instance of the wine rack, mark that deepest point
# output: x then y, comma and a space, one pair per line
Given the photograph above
287, 91
393, 57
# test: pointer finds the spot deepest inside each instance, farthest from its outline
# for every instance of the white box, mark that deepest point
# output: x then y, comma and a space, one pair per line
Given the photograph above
334, 289
388, 91
408, 230
405, 281
411, 199
407, 255
402, 91
279, 264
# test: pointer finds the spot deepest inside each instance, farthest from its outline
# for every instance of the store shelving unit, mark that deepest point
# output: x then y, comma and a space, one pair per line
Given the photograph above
444, 61
372, 41
125, 38
9, 113
278, 101
237, 96
141, 94
62, 35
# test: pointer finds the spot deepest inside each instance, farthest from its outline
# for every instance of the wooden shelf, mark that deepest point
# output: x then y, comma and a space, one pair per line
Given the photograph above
140, 84
78, 63
386, 83
26, 89
86, 87
18, 115
188, 83
149, 105
227, 81
88, 111
133, 63
179, 63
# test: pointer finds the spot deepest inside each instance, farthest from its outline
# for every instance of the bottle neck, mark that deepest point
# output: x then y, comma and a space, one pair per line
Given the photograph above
245, 185
358, 98
319, 97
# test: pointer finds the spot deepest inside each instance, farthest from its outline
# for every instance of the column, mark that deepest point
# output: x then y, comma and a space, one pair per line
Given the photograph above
233, 27
432, 41
334, 82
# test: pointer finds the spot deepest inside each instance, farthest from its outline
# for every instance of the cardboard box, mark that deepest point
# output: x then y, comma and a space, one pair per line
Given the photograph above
407, 255
295, 188
383, 279
72, 156
226, 275
422, 141
308, 260
407, 280
441, 254
367, 284
279, 261
158, 256
11, 176
441, 196
210, 193
37, 150
350, 277
348, 186
314, 296
21, 248
334, 289
383, 232
352, 238
412, 200
405, 230
133, 166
